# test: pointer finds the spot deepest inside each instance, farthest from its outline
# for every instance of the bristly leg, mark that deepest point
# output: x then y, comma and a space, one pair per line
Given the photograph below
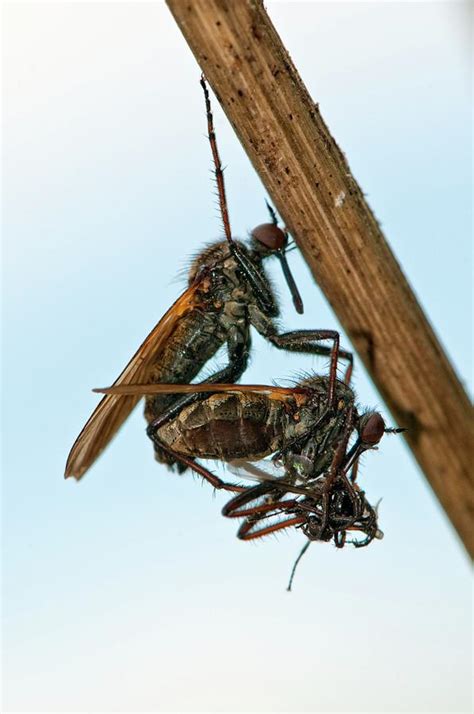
218, 170
168, 415
306, 341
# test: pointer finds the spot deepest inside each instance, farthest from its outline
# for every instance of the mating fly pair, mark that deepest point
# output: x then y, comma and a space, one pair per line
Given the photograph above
229, 292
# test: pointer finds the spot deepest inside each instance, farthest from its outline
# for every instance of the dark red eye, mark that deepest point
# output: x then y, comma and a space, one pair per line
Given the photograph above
373, 429
269, 235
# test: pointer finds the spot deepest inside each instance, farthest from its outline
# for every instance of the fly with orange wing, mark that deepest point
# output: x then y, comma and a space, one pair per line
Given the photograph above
228, 293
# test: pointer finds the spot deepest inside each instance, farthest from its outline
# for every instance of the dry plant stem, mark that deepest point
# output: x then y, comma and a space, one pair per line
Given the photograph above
309, 180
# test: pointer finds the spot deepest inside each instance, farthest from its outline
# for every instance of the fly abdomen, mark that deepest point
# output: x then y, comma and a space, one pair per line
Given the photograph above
227, 426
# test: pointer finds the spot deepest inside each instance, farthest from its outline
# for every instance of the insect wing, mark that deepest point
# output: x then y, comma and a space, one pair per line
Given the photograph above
137, 389
263, 470
113, 409
268, 472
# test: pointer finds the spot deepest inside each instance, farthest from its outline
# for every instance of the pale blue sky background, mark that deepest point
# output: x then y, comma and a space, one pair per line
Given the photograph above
129, 591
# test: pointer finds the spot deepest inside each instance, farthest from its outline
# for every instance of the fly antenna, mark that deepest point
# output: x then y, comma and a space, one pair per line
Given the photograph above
218, 170
293, 571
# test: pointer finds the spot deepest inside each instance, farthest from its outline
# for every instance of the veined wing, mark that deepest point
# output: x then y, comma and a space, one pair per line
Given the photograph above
261, 470
114, 409
137, 389
266, 471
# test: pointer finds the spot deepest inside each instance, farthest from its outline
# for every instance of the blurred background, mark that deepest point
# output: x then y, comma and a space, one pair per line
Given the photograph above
129, 591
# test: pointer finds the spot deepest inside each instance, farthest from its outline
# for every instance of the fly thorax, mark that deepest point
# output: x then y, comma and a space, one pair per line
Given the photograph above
241, 293
231, 267
214, 255
310, 415
297, 429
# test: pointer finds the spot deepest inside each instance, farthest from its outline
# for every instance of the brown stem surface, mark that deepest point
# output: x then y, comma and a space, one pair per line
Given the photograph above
309, 180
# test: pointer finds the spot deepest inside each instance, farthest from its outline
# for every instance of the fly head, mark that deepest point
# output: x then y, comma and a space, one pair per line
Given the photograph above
269, 239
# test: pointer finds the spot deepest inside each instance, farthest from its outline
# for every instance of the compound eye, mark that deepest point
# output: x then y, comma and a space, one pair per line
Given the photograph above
269, 235
373, 429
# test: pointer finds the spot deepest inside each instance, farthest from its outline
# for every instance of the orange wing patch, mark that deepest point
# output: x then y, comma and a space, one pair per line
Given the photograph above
113, 410
141, 390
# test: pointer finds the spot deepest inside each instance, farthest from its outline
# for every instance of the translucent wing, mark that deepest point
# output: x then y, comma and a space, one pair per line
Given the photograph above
146, 389
113, 409
266, 471
262, 470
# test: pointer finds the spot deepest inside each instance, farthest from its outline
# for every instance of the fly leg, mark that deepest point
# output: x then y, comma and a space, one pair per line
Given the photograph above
207, 475
337, 475
218, 170
238, 345
186, 461
254, 277
306, 341
251, 527
247, 532
371, 532
235, 508
183, 462
238, 357
337, 506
